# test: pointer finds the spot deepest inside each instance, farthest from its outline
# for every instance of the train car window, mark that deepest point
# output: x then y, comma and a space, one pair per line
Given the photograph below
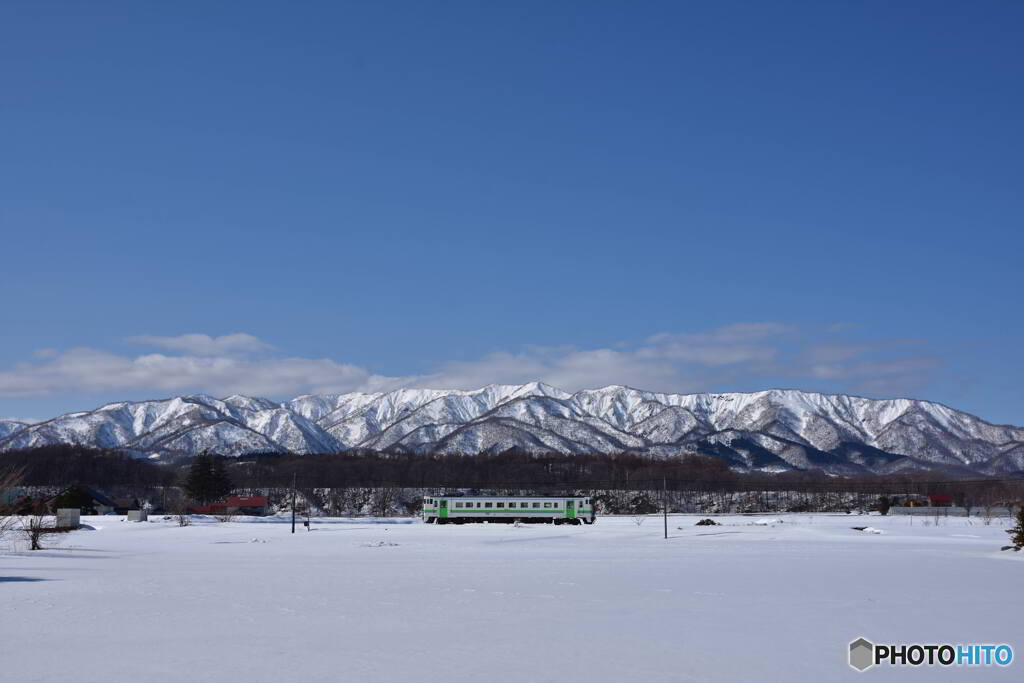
547, 505
487, 505
536, 505
458, 505
555, 504
499, 505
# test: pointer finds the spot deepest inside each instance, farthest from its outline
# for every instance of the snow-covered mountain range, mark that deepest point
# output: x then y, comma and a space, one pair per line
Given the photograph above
773, 430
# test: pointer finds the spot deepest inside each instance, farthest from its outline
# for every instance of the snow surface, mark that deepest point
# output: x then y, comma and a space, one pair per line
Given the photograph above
398, 600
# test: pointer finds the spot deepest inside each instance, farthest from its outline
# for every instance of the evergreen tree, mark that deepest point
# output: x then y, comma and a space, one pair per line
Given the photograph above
207, 479
1017, 532
197, 482
220, 481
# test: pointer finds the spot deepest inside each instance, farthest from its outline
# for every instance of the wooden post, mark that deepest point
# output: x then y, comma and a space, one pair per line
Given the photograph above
664, 503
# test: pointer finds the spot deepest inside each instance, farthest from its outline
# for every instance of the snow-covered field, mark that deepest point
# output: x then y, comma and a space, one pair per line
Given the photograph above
397, 600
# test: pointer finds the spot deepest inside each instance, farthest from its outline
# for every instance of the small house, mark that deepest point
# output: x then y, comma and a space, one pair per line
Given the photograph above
88, 500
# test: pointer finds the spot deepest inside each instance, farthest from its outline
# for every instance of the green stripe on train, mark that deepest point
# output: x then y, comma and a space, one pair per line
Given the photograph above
501, 509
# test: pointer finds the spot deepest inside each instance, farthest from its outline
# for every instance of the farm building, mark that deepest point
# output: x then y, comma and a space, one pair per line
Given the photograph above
234, 505
86, 499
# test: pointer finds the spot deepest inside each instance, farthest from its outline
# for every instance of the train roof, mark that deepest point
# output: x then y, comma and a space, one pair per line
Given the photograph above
460, 495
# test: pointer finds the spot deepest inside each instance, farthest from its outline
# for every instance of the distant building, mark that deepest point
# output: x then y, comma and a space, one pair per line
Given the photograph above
940, 500
68, 518
14, 495
124, 505
234, 505
248, 505
87, 500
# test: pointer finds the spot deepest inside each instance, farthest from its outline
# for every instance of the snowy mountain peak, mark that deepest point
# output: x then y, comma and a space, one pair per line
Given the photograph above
773, 430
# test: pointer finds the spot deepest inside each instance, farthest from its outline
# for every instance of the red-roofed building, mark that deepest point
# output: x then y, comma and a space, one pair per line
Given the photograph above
940, 500
234, 505
248, 505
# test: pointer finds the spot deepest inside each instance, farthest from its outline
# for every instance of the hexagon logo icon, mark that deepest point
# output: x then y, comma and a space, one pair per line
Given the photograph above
862, 654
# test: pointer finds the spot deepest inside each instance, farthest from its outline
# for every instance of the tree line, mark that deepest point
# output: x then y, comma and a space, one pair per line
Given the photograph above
122, 474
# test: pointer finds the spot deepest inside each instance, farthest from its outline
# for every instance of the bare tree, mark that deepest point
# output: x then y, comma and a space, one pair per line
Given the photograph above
182, 514
986, 512
36, 527
382, 500
176, 503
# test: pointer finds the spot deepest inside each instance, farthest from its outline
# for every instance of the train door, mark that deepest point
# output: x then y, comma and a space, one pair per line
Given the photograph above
570, 509
444, 509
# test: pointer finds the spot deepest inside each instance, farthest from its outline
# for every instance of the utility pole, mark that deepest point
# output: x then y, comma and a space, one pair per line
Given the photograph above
293, 502
664, 503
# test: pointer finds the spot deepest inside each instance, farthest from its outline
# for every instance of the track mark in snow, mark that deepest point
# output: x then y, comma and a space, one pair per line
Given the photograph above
529, 540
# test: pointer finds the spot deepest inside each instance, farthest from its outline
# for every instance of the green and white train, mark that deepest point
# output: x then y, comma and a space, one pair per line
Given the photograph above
462, 509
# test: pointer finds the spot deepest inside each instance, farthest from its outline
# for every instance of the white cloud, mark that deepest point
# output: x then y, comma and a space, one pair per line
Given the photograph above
89, 370
205, 345
748, 355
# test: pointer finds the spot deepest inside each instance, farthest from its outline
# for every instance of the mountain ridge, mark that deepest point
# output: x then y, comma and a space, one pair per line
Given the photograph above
768, 430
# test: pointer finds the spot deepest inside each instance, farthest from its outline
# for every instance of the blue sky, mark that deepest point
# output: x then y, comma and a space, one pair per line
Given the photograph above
277, 199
